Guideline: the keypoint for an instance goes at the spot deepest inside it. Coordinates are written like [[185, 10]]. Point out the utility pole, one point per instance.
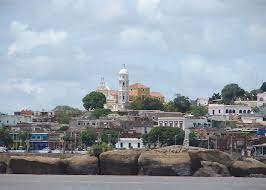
[[231, 145], [158, 140], [109, 139]]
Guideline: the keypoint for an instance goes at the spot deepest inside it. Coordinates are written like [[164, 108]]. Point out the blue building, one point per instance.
[[37, 141]]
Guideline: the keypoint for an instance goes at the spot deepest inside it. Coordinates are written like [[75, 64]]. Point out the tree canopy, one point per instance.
[[181, 103], [63, 114], [147, 103], [263, 87], [164, 135], [198, 110], [113, 136], [88, 136], [94, 100], [231, 92], [100, 112], [5, 138]]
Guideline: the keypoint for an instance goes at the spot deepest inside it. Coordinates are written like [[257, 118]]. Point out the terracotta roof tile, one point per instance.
[[156, 94], [138, 85]]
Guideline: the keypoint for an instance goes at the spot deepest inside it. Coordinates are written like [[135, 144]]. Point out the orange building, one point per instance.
[[140, 90]]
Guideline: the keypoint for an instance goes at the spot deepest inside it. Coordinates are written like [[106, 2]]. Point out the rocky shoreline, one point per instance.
[[167, 161]]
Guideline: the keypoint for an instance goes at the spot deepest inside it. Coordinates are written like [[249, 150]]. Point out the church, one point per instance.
[[118, 100]]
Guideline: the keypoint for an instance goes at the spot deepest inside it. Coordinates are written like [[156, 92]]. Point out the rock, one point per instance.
[[81, 165], [119, 162], [212, 169], [247, 167], [3, 167], [159, 163], [35, 165], [209, 155]]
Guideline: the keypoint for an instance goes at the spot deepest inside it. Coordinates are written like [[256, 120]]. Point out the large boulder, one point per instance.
[[81, 165], [209, 155], [35, 165], [168, 163], [212, 169], [3, 167], [247, 167], [119, 162]]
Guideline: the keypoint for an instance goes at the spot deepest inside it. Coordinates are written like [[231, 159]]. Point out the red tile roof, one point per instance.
[[156, 94], [138, 85], [114, 92]]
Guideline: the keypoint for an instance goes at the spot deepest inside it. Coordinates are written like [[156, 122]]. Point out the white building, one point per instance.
[[12, 120], [127, 143], [202, 101], [116, 100], [123, 91], [171, 122], [183, 122], [261, 99], [221, 109]]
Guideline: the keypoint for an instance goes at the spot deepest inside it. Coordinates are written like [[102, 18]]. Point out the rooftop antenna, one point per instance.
[[124, 65]]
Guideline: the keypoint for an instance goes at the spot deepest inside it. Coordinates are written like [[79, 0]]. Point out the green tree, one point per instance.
[[164, 135], [181, 103], [100, 112], [263, 87], [97, 149], [64, 128], [25, 136], [88, 136], [198, 110], [109, 135], [94, 100], [152, 104], [5, 138], [147, 103], [63, 114], [169, 106], [231, 92]]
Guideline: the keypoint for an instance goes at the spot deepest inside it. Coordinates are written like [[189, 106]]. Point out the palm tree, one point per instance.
[[25, 136]]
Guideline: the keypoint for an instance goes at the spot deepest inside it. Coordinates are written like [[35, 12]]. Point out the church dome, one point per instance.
[[123, 71]]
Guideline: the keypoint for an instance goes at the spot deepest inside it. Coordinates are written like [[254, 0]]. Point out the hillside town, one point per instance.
[[134, 117]]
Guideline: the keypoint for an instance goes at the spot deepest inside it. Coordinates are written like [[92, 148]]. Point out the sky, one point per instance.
[[54, 52]]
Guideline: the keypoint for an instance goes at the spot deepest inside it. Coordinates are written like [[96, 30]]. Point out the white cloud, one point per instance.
[[257, 36], [24, 86], [138, 37], [147, 7], [113, 9], [27, 39]]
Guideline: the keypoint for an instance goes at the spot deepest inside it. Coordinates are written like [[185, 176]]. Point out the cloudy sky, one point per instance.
[[53, 52]]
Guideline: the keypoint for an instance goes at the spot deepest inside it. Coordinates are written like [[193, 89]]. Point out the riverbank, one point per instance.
[[64, 182], [167, 161]]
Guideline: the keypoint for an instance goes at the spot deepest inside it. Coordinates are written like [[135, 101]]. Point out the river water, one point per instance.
[[67, 182]]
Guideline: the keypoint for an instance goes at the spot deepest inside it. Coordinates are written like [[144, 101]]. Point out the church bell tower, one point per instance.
[[123, 91]]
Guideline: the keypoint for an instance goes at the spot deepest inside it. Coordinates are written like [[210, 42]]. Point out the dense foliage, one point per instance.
[[109, 135], [63, 114], [94, 100], [147, 103], [231, 92], [100, 112], [198, 110], [88, 136], [164, 136], [5, 138]]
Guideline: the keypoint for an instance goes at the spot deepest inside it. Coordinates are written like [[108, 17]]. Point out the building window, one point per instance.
[[219, 111], [123, 84], [240, 111], [249, 111], [7, 121], [226, 111], [121, 145], [171, 123], [230, 111], [138, 145], [213, 111], [181, 124], [234, 111], [165, 123], [244, 111], [129, 145]]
